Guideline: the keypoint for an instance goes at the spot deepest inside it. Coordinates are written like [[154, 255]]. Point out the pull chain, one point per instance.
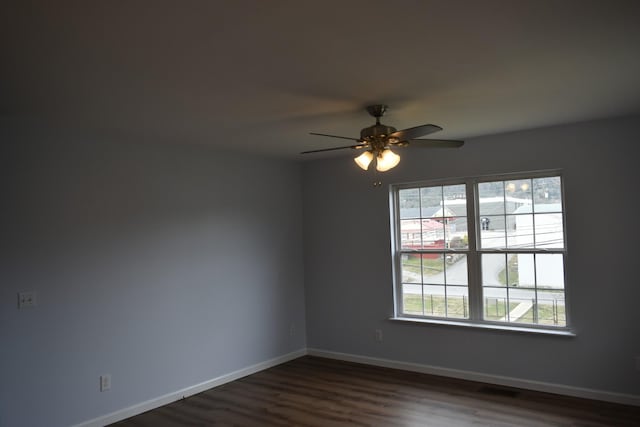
[[377, 182]]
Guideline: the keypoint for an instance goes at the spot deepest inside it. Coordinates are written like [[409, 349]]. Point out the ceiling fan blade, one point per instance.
[[355, 147], [432, 143], [415, 132], [334, 136]]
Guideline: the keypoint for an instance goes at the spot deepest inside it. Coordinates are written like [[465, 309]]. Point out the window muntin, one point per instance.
[[513, 271]]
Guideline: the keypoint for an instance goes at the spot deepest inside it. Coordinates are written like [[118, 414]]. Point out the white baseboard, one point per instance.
[[607, 396], [189, 391]]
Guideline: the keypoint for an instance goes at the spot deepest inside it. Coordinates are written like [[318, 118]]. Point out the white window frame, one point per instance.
[[473, 253]]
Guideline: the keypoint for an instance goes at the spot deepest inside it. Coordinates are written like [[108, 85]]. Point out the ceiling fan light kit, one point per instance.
[[378, 140], [387, 160], [364, 159]]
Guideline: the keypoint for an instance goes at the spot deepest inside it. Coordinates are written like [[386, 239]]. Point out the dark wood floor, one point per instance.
[[312, 391]]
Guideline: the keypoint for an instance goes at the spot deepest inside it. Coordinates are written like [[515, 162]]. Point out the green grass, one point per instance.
[[495, 310], [430, 265], [546, 315], [435, 305]]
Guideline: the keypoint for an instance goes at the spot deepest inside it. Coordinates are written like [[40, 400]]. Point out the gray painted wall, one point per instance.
[[348, 278], [164, 266]]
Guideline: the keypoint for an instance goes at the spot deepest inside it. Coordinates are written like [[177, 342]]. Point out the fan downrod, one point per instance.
[[377, 111]]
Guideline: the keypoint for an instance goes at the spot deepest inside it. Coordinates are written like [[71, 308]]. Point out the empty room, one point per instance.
[[278, 213]]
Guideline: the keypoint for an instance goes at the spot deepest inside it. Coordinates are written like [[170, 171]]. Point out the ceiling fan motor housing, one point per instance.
[[377, 135]]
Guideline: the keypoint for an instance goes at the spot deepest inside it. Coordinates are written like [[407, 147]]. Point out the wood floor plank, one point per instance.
[[313, 391]]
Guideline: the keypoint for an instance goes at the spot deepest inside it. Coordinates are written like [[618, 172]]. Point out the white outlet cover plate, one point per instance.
[[27, 299], [105, 382]]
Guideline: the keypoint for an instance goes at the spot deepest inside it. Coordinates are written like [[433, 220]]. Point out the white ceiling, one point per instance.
[[260, 75]]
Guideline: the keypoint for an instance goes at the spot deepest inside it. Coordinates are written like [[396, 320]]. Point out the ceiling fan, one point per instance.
[[377, 141]]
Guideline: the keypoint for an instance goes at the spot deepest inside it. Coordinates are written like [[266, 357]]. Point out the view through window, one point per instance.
[[487, 250]]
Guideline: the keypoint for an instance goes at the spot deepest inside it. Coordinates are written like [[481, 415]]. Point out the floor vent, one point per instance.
[[498, 391]]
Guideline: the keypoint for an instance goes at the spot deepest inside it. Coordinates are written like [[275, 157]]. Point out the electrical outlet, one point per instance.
[[379, 335], [27, 299], [292, 329], [105, 382]]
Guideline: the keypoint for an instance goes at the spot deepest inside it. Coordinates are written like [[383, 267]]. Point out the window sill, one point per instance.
[[507, 328]]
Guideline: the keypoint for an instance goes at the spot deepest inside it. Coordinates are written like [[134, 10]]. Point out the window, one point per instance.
[[487, 250]]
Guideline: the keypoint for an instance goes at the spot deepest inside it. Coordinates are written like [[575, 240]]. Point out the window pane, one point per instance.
[[455, 200], [434, 300], [432, 234], [412, 299], [493, 269], [514, 305], [454, 192], [458, 302], [551, 308], [410, 234], [495, 304], [492, 232], [549, 230], [517, 194], [521, 305], [550, 271], [491, 198], [456, 235], [509, 276], [411, 272], [409, 202], [456, 269], [433, 268], [520, 231], [431, 202], [547, 191], [521, 270]]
